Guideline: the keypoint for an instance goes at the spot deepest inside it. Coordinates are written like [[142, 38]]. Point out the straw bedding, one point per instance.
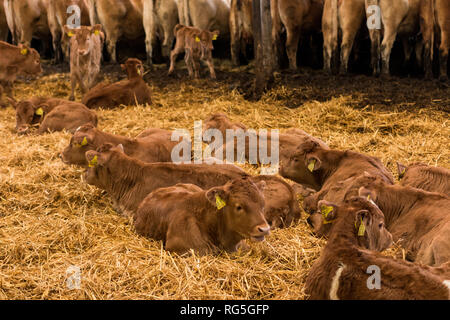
[[50, 219]]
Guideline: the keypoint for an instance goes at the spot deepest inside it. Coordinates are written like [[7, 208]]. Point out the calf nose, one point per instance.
[[22, 129], [82, 52], [264, 229]]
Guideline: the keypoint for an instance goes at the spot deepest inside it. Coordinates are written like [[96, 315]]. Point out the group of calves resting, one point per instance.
[[351, 199]]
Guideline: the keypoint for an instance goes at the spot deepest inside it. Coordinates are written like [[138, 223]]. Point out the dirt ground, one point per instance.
[[52, 221]]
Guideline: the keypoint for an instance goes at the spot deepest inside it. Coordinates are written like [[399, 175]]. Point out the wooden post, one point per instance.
[[264, 57]]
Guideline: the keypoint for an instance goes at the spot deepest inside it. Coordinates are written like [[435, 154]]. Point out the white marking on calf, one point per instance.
[[335, 282], [447, 283]]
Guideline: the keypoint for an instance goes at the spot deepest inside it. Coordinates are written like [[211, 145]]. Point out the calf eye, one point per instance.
[[239, 208], [380, 225]]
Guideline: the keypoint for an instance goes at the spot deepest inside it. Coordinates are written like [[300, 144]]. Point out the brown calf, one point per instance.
[[419, 218], [112, 167], [186, 217], [321, 168], [197, 45], [347, 261], [152, 147], [422, 176], [133, 91], [52, 114], [288, 141], [14, 61], [85, 56]]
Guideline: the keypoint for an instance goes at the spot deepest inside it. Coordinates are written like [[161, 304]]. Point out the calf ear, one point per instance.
[[68, 31], [313, 163], [215, 34], [12, 102], [124, 67], [362, 220], [120, 147], [367, 194], [217, 197], [328, 211], [96, 29], [401, 169]]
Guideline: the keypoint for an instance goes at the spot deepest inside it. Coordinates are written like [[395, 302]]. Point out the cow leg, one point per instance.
[[173, 58], [346, 48], [386, 48], [196, 64], [210, 64], [407, 51], [419, 53], [293, 36], [443, 58], [189, 62], [234, 35], [111, 44]]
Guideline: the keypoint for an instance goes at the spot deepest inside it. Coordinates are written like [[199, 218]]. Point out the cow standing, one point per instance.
[[404, 19], [300, 17], [120, 19], [58, 17], [14, 61], [241, 28], [159, 19], [205, 14], [4, 30], [197, 45], [85, 56], [28, 19]]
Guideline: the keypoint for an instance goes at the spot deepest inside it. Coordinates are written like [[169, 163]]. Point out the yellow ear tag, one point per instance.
[[84, 142], [325, 210], [96, 32], [24, 51], [197, 39], [368, 197], [219, 202], [139, 71], [311, 165], [70, 34], [39, 112], [93, 162], [215, 37], [362, 229]]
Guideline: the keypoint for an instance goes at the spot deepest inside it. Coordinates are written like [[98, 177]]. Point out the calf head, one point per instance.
[[82, 141], [357, 217], [302, 166], [32, 61], [134, 68], [28, 114], [221, 122], [82, 38], [402, 169], [367, 186], [205, 40], [101, 163], [241, 204]]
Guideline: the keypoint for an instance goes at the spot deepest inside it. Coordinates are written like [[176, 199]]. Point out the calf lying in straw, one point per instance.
[[422, 176], [349, 269], [52, 114], [152, 145], [187, 217], [197, 45], [132, 91], [128, 181]]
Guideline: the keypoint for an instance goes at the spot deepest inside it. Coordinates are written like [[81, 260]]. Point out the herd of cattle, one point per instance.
[[351, 198], [343, 24]]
